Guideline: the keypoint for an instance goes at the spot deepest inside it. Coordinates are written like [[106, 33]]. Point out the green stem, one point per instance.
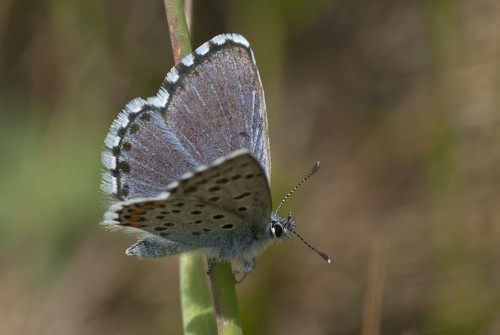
[[178, 28], [225, 299], [197, 311]]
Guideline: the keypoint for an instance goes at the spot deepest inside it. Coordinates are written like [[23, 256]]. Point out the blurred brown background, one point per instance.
[[398, 99]]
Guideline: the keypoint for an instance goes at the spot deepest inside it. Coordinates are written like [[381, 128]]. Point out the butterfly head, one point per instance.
[[280, 228]]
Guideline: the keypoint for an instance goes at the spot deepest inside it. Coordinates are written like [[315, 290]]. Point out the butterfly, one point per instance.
[[190, 168]]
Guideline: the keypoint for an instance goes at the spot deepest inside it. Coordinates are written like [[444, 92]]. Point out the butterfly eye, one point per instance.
[[276, 229]]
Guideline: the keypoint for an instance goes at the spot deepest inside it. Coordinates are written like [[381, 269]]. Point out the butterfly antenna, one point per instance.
[[320, 253], [314, 169]]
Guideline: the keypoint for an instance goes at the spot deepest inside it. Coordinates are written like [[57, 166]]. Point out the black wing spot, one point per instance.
[[159, 228], [242, 196], [214, 189], [201, 182], [222, 181], [228, 226], [146, 117], [127, 145], [124, 167], [196, 233], [218, 217], [196, 212], [134, 128]]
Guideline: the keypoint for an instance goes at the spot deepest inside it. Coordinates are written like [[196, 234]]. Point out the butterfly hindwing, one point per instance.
[[206, 208]]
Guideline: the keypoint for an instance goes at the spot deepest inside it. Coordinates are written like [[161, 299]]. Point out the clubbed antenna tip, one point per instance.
[[320, 253]]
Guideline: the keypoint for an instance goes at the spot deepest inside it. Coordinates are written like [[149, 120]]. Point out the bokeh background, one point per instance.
[[398, 99]]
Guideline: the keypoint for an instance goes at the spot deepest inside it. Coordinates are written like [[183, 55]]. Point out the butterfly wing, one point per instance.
[[209, 105], [222, 207]]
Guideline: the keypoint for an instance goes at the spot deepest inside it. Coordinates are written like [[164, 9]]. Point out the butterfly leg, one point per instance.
[[211, 263], [151, 247], [245, 267]]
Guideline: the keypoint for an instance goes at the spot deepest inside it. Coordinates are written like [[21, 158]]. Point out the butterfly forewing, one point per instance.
[[202, 209], [225, 86], [210, 105]]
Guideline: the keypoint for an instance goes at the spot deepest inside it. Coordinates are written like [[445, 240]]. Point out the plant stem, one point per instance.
[[178, 28], [225, 299], [196, 312]]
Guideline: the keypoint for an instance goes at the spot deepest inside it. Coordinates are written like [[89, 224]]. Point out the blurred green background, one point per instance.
[[398, 99]]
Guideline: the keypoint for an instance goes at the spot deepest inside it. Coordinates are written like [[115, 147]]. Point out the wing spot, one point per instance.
[[196, 233], [179, 204], [242, 196], [218, 217], [196, 212], [176, 211], [222, 181], [249, 176], [134, 128], [146, 117], [214, 199], [206, 229], [169, 224], [201, 182], [164, 212], [214, 189], [199, 205], [228, 226], [242, 209], [124, 167], [159, 228], [164, 234], [236, 177], [243, 165], [127, 145], [160, 217]]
